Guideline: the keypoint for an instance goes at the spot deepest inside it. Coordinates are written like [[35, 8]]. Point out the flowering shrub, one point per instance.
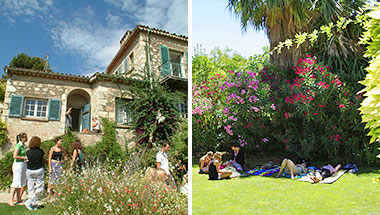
[[101, 191], [307, 111], [318, 114]]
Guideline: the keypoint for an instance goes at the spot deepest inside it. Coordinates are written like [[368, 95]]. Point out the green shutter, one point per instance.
[[54, 109], [15, 107], [165, 60], [117, 111], [86, 118], [126, 66]]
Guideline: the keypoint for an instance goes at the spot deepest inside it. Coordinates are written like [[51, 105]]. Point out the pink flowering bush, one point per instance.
[[306, 111], [317, 115], [227, 108]]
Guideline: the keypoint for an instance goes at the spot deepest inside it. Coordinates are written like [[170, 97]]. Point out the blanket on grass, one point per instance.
[[264, 172], [329, 180], [276, 169]]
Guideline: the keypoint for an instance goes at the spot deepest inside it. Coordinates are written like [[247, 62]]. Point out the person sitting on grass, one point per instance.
[[204, 162], [237, 159], [293, 169], [324, 172], [214, 171]]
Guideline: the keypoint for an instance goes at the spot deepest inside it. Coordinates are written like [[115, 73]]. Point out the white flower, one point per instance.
[[100, 190]]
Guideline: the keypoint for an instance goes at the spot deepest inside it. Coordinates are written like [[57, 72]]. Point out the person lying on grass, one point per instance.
[[324, 172], [204, 162], [292, 169], [214, 171]]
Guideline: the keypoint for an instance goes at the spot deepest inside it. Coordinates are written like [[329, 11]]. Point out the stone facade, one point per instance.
[[30, 84], [136, 43]]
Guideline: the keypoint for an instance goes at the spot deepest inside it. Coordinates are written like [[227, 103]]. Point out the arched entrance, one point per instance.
[[79, 102]]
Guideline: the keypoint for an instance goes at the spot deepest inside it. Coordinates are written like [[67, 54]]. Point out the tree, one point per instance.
[[25, 61], [282, 19], [153, 107]]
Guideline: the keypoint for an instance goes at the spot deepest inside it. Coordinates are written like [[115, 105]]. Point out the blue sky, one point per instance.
[[213, 25], [80, 37]]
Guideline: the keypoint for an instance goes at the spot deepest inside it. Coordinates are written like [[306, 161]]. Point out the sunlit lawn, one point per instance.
[[5, 209], [351, 194]]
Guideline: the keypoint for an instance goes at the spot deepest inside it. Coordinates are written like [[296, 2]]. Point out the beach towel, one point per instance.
[[264, 172], [329, 180]]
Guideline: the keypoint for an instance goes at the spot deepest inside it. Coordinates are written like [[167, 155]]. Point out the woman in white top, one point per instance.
[[95, 125], [19, 169]]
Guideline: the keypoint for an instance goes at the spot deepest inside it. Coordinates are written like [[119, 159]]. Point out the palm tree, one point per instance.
[[282, 19]]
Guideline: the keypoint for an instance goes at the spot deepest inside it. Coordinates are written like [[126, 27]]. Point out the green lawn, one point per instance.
[[351, 194], [21, 210]]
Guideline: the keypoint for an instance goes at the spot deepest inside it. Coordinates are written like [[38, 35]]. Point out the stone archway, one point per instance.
[[80, 102]]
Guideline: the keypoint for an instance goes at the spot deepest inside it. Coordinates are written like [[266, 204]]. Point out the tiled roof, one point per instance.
[[153, 30], [62, 76]]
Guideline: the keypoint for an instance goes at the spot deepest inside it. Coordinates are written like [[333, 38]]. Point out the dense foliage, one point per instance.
[[306, 111], [370, 105], [3, 133], [147, 98], [25, 61], [282, 19]]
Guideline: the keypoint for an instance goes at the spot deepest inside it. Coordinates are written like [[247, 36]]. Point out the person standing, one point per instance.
[[77, 161], [55, 163], [68, 121], [35, 173], [163, 163], [19, 169]]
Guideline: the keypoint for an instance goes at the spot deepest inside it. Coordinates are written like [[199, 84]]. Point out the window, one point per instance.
[[35, 108], [182, 109], [171, 62], [38, 108], [123, 112], [119, 70], [131, 60]]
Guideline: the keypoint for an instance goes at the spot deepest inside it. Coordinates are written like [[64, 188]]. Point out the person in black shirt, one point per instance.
[[237, 159], [34, 173]]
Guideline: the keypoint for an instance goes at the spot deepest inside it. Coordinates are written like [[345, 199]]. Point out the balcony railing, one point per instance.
[[173, 69]]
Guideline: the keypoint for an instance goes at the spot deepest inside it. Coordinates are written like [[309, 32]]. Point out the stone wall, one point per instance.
[[172, 44]]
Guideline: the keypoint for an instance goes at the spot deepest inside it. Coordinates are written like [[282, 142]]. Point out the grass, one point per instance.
[[351, 194], [21, 210]]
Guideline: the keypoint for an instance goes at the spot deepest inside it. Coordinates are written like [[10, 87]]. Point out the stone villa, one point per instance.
[[36, 101]]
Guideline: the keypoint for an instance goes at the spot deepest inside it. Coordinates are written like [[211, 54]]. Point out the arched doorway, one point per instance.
[[79, 102]]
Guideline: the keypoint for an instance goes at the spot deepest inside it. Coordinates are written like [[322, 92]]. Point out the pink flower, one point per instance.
[[265, 140], [306, 113], [321, 83], [287, 115], [342, 106], [273, 107]]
